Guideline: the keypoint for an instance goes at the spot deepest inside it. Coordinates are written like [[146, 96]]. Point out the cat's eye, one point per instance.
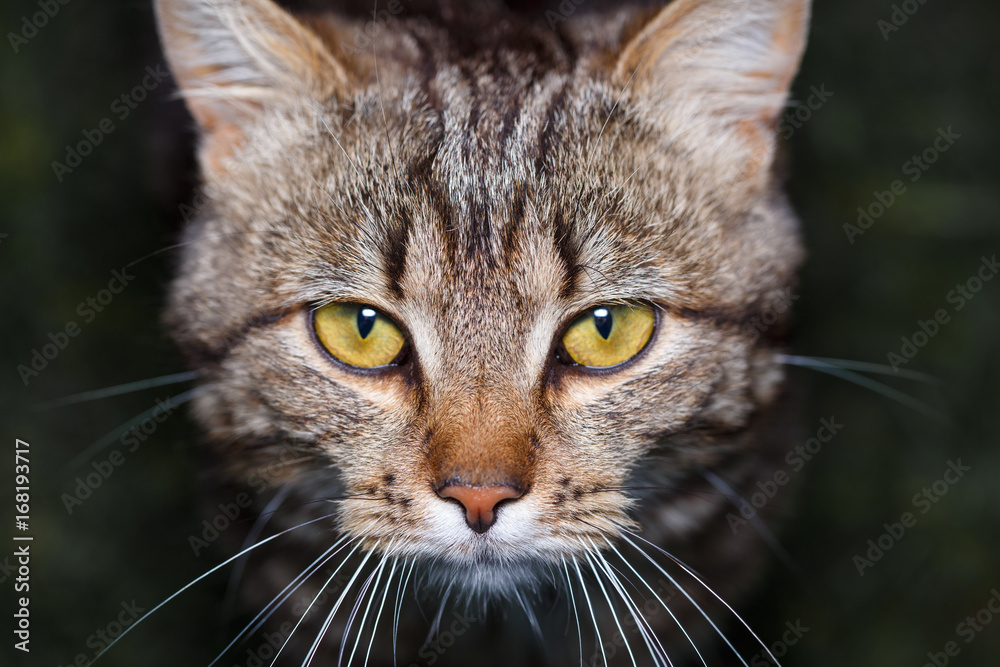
[[358, 335], [607, 336]]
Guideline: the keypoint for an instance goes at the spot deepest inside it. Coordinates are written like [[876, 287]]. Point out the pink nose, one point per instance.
[[480, 502]]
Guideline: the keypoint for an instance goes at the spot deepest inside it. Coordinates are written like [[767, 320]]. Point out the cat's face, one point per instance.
[[482, 185]]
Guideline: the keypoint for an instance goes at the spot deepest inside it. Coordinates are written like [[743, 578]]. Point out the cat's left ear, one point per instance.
[[232, 58], [715, 74]]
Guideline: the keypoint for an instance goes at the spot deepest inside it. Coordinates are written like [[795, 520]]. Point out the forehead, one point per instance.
[[478, 179]]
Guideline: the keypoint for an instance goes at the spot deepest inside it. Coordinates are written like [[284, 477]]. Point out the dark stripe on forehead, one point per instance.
[[512, 231], [470, 131], [428, 70], [550, 128], [397, 244], [440, 202], [499, 95], [562, 236], [509, 123], [480, 227], [549, 132]]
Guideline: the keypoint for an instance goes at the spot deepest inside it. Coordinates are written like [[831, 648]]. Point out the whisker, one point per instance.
[[642, 624], [612, 112], [339, 545], [660, 600], [181, 244], [258, 527], [757, 523], [863, 366], [652, 154], [399, 607], [597, 631], [114, 435], [877, 387], [665, 487], [611, 608], [691, 600], [368, 585], [199, 578], [536, 629], [245, 232], [576, 613], [258, 621], [381, 607], [322, 118], [117, 390], [329, 619], [312, 603], [436, 623], [307, 503]]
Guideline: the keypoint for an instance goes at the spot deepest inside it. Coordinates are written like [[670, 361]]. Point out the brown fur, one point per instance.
[[483, 179]]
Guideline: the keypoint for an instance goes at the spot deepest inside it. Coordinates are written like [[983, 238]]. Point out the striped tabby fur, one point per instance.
[[483, 173]]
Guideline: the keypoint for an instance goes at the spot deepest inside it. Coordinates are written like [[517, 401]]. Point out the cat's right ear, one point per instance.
[[716, 74], [230, 58]]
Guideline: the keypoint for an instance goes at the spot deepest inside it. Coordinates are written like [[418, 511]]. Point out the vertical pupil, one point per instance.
[[366, 320], [603, 321]]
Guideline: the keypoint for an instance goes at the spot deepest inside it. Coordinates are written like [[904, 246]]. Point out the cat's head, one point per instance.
[[474, 276]]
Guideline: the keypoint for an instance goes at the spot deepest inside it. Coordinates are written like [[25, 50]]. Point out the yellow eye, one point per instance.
[[606, 336], [358, 335]]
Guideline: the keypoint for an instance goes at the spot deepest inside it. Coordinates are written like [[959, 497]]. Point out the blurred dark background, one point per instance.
[[62, 235]]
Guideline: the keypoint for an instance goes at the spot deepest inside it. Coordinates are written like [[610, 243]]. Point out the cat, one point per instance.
[[471, 296]]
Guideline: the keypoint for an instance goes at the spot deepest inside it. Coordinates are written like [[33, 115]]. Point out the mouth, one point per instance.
[[519, 535]]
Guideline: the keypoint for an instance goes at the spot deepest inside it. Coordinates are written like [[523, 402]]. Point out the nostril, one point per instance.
[[480, 502]]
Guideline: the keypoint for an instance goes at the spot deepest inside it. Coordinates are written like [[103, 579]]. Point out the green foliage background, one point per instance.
[[890, 96]]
